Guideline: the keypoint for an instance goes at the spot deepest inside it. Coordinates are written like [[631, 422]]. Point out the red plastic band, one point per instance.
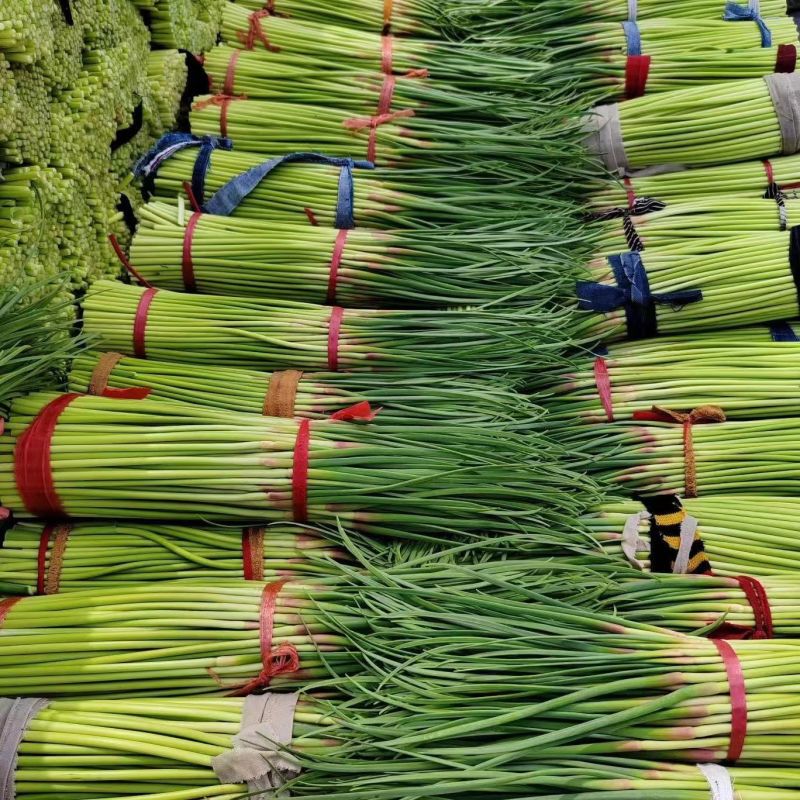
[[256, 33], [334, 330], [140, 322], [763, 627], [603, 381], [230, 73], [770, 172], [311, 216], [359, 412], [48, 576], [33, 469], [6, 606], [786, 58], [300, 471], [631, 194], [187, 187], [336, 262], [187, 265], [637, 71], [275, 660], [387, 56], [125, 261], [253, 554], [738, 692], [41, 560]]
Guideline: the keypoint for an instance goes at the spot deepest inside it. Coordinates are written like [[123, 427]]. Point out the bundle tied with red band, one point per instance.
[[212, 254], [166, 460], [280, 334]]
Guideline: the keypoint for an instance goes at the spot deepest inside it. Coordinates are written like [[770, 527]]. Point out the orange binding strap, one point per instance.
[[700, 415], [6, 606], [48, 577], [281, 393], [255, 32], [253, 554]]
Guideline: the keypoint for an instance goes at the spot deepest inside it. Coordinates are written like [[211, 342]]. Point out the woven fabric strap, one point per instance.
[[604, 137], [784, 89], [101, 373], [50, 560], [281, 395], [259, 756], [698, 416], [15, 717], [734, 12], [275, 660], [253, 554], [738, 693], [720, 781]]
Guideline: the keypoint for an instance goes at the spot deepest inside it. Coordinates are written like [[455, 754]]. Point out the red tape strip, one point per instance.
[[769, 170], [387, 56], [187, 264], [629, 191], [140, 322], [786, 58], [738, 692], [302, 446], [334, 332], [603, 381], [275, 660], [637, 71], [33, 468], [336, 262]]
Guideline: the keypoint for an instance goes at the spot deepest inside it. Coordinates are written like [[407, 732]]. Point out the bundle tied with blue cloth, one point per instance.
[[704, 125], [700, 286]]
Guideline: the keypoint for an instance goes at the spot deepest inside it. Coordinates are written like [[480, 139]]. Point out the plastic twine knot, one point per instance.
[[359, 123]]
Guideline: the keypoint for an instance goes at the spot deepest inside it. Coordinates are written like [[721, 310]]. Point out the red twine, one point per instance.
[[256, 33], [33, 468], [334, 332], [223, 101], [275, 660], [187, 187], [373, 123], [763, 627], [312, 218], [738, 693], [125, 261], [6, 606], [187, 264], [228, 86], [637, 71], [770, 172], [48, 573], [140, 322], [786, 58], [603, 381], [253, 554], [336, 262]]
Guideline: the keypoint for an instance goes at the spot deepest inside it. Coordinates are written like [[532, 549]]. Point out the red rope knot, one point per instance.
[[275, 659], [256, 33], [699, 416], [373, 123], [223, 101]]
